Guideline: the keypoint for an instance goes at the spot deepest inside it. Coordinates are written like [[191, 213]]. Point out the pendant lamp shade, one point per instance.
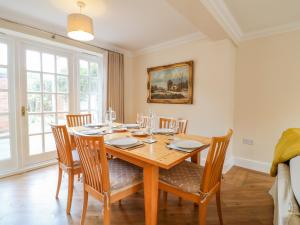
[[80, 27]]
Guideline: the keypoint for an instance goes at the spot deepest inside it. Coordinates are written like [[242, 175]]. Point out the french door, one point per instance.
[[45, 99], [7, 110]]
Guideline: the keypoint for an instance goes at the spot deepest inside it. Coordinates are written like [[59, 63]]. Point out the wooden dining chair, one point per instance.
[[182, 126], [106, 180], [68, 160], [167, 122], [195, 183], [145, 121], [171, 123], [76, 120]]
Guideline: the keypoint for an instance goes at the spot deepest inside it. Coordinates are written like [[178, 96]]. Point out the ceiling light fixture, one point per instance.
[[80, 27]]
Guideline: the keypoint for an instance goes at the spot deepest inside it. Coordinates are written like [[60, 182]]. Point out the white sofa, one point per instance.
[[286, 193]]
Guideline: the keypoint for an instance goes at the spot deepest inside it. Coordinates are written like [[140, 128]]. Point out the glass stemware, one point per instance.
[[140, 120], [151, 126]]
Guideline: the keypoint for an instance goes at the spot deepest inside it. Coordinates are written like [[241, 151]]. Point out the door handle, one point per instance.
[[23, 110]]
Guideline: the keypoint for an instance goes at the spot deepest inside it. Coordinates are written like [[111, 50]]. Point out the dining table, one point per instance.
[[151, 158]]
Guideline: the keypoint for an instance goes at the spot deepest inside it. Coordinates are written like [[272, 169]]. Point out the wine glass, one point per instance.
[[151, 126], [140, 119], [113, 116]]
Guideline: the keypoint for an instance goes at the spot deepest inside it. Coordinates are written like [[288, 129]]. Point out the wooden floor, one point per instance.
[[28, 199]]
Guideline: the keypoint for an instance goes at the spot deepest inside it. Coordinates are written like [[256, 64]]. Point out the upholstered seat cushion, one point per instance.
[[186, 176], [123, 174]]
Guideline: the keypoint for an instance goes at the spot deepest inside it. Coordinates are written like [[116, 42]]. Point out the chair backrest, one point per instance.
[[214, 162], [94, 164], [77, 120], [145, 121], [63, 146], [167, 122], [182, 125]]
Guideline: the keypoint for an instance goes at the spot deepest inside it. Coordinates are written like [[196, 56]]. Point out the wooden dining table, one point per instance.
[[152, 157]]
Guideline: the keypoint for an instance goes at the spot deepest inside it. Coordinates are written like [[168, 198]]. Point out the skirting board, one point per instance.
[[252, 164], [244, 163], [29, 168]]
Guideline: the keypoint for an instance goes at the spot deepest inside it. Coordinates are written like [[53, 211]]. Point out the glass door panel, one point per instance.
[[7, 156], [47, 100]]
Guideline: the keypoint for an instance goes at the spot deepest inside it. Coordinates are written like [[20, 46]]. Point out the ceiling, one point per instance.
[[141, 24], [128, 24], [258, 15]]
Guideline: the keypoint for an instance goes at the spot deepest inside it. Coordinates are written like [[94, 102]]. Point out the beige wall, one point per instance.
[[214, 69], [267, 93]]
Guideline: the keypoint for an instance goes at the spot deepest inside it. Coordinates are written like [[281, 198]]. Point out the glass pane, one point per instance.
[[35, 144], [4, 126], [33, 82], [34, 102], [49, 83], [95, 116], [3, 78], [93, 69], [84, 102], [62, 84], [61, 118], [62, 103], [33, 60], [61, 65], [49, 143], [35, 124], [4, 149], [48, 63], [3, 54], [3, 102], [94, 85], [94, 102], [84, 67], [84, 85], [49, 103], [48, 118]]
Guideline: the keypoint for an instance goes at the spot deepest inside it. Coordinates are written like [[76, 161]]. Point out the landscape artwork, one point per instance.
[[171, 84]]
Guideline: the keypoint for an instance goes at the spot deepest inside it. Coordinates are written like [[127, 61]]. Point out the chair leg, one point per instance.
[[78, 177], [106, 212], [202, 214], [165, 199], [180, 201], [70, 191], [218, 200], [84, 207], [58, 181]]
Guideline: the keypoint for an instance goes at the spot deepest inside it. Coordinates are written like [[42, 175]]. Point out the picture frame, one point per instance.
[[171, 84]]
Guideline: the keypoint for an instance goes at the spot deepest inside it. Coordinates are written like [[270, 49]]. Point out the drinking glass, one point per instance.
[[140, 120], [151, 125]]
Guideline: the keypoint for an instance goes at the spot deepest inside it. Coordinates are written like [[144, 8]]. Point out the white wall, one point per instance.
[[267, 95], [214, 69]]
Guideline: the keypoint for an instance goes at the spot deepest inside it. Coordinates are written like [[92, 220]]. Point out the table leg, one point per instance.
[[151, 194], [196, 158]]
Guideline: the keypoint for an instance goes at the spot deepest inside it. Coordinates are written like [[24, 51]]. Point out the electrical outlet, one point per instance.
[[247, 141]]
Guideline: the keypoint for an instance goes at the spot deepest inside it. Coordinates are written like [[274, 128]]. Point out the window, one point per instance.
[[90, 87], [47, 97], [5, 152]]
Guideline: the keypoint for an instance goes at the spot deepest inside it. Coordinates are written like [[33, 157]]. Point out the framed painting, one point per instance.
[[171, 84]]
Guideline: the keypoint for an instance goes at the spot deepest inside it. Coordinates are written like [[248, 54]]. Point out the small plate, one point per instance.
[[139, 133], [164, 131], [123, 141], [90, 132], [119, 129], [131, 125], [94, 125], [188, 144]]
